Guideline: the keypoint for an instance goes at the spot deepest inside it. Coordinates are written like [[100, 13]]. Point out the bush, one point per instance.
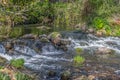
[[100, 23], [78, 60], [18, 63]]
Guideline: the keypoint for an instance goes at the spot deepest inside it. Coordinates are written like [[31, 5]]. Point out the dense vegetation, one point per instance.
[[102, 15]]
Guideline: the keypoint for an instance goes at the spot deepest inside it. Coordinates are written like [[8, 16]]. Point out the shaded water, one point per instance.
[[49, 58]]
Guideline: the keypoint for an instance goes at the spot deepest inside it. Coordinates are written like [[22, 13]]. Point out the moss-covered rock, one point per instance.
[[55, 37]]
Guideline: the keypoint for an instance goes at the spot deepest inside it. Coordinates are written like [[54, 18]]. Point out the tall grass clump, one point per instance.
[[4, 76]]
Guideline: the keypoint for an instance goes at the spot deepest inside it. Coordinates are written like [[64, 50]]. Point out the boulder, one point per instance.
[[65, 42], [43, 38], [101, 32], [9, 46], [29, 36], [55, 37], [104, 50], [65, 75]]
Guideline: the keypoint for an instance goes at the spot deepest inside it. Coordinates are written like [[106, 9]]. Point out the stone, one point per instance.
[[9, 46], [91, 77], [29, 36], [51, 73], [55, 37], [44, 39], [81, 78], [2, 60], [101, 32], [104, 50], [91, 30], [65, 75], [65, 41]]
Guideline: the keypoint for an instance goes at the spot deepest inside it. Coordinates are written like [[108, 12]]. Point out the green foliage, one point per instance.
[[16, 32], [1, 67], [78, 60], [100, 23], [21, 76], [4, 30], [40, 12], [18, 63], [67, 15], [4, 76], [78, 50]]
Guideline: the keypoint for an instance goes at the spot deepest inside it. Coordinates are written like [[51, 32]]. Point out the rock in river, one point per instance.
[[29, 36], [55, 37], [104, 50]]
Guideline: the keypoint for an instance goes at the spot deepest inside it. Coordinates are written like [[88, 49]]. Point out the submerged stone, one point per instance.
[[65, 75], [51, 73], [104, 50]]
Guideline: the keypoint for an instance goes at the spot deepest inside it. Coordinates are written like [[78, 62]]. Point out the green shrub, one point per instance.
[[100, 23], [18, 63], [4, 76], [21, 76], [78, 60]]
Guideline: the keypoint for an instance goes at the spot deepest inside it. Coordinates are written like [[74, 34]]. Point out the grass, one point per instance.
[[21, 76], [17, 63], [4, 76], [16, 32]]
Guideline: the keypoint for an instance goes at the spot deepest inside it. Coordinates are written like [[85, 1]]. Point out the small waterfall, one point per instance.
[[92, 41]]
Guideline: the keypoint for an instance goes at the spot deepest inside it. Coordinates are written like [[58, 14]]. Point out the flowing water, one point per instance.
[[49, 58]]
